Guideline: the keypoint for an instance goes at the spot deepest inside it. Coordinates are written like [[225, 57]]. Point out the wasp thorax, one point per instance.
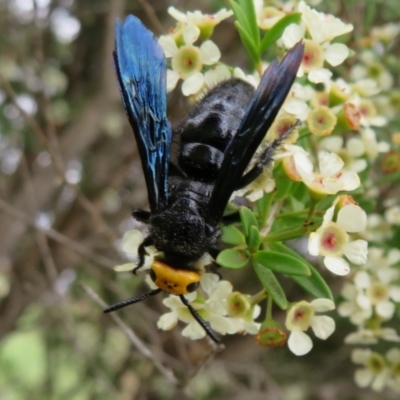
[[180, 233], [174, 281]]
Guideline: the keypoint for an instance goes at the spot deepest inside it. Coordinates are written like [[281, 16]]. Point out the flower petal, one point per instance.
[[329, 163], [194, 331], [224, 325], [322, 326], [350, 180], [210, 53], [313, 244], [394, 293], [292, 35], [336, 53], [190, 33], [385, 309], [337, 265], [357, 251], [215, 75], [299, 343], [168, 45], [131, 241], [363, 377], [319, 75], [167, 321], [360, 356], [352, 218], [124, 267], [322, 305], [172, 79], [193, 84]]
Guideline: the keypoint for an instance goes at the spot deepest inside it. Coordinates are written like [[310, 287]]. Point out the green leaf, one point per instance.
[[232, 235], [253, 240], [248, 219], [315, 284], [282, 263], [277, 30], [271, 284], [248, 44], [249, 13], [233, 258]]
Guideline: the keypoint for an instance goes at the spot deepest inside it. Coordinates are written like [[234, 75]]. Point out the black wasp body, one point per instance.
[[181, 230], [191, 174]]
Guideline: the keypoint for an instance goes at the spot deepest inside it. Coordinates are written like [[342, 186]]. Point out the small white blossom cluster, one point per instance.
[[218, 308], [198, 66], [331, 154], [370, 300]]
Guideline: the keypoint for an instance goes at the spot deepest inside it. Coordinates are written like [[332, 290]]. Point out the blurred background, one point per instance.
[[69, 177]]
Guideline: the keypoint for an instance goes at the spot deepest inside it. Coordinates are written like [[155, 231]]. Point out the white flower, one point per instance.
[[322, 28], [378, 229], [199, 19], [355, 307], [372, 68], [393, 358], [330, 179], [377, 286], [369, 336], [130, 243], [350, 153], [332, 241], [187, 61], [301, 316], [213, 310], [375, 373], [392, 215]]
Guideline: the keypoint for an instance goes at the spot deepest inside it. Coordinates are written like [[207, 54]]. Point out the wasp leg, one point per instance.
[[142, 252], [133, 300], [264, 160], [141, 216], [200, 320]]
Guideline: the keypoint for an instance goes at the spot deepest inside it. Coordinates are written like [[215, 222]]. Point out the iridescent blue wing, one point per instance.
[[141, 71], [260, 114]]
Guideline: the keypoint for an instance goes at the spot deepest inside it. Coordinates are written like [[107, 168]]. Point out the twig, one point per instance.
[[57, 236], [140, 346]]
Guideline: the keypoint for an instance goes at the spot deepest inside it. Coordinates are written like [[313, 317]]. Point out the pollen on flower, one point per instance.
[[313, 56], [378, 292], [187, 61], [321, 121]]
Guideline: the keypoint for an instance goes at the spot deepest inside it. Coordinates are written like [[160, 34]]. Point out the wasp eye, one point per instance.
[[192, 287], [153, 275]]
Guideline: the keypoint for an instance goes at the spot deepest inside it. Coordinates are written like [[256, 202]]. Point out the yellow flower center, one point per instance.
[[187, 61]]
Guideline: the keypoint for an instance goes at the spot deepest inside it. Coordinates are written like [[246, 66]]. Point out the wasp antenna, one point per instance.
[[133, 300], [200, 320]]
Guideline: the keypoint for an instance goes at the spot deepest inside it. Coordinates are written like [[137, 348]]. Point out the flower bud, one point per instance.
[[391, 162], [271, 334], [299, 316], [238, 304], [280, 126], [289, 167], [349, 117], [321, 121], [320, 99], [337, 95], [345, 200]]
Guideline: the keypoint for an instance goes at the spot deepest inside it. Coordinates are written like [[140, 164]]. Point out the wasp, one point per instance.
[[192, 172]]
